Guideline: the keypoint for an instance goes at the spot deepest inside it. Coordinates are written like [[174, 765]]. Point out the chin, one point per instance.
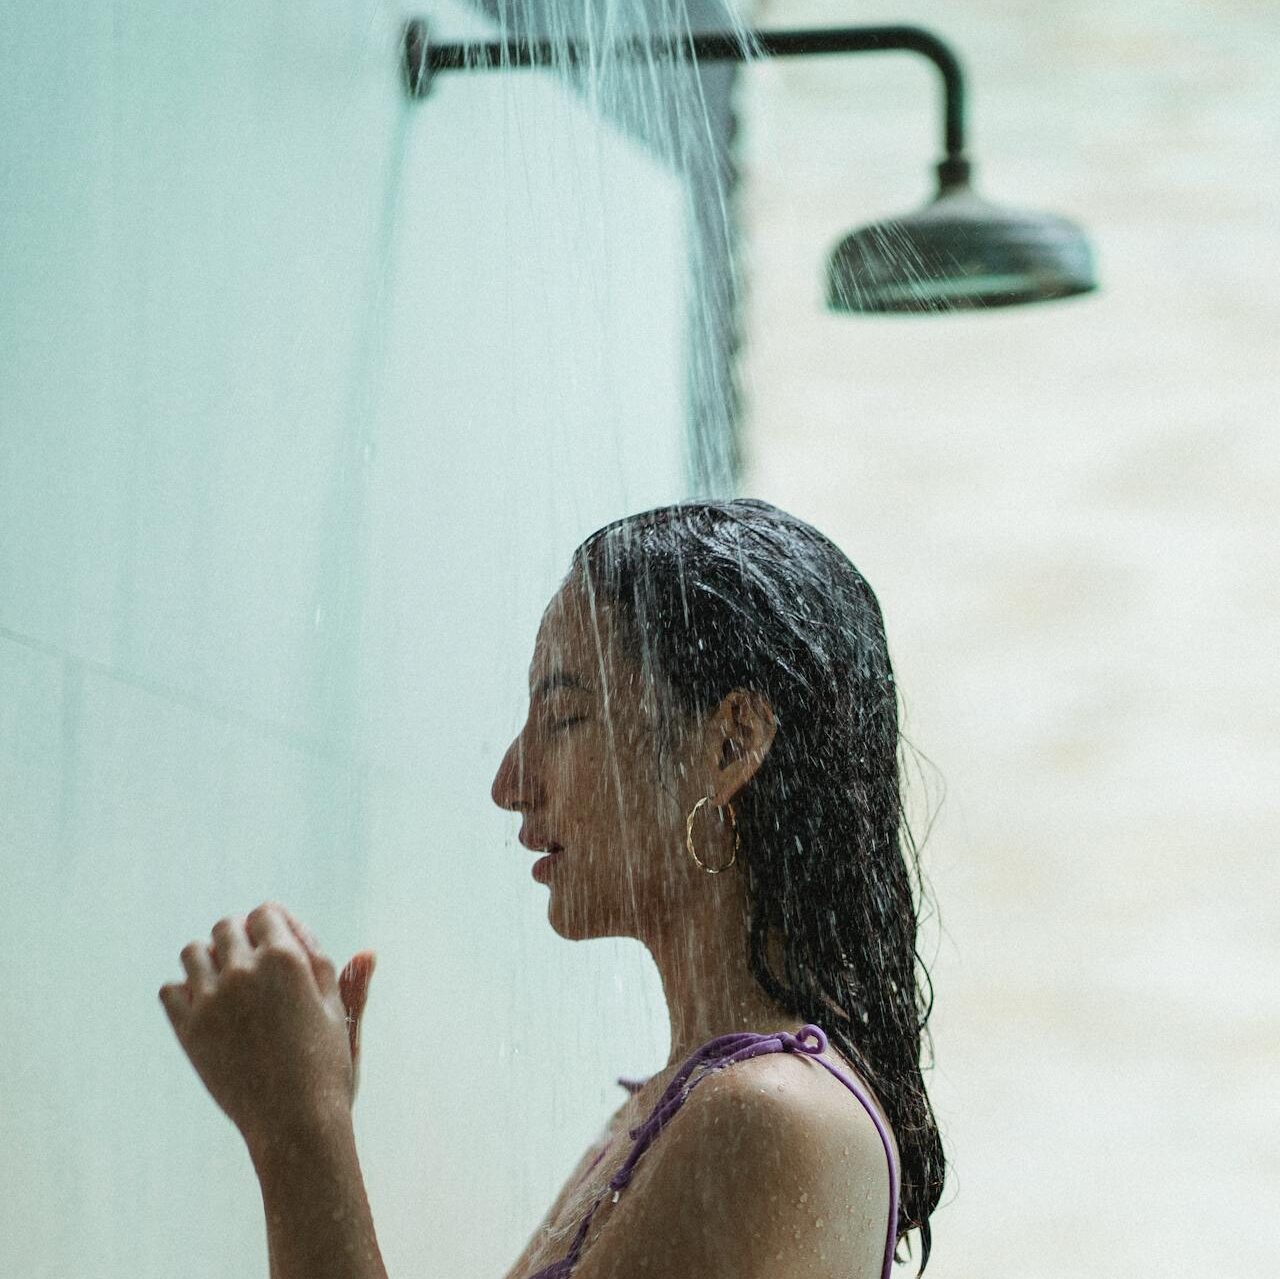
[[584, 921]]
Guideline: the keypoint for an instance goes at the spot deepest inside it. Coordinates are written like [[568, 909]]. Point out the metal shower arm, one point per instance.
[[423, 59]]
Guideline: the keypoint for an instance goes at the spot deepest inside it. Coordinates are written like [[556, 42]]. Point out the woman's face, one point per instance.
[[584, 774]]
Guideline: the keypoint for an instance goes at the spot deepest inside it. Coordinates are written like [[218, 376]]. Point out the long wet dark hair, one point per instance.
[[711, 596]]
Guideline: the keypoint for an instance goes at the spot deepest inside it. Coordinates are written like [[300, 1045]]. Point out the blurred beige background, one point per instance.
[[1068, 514]]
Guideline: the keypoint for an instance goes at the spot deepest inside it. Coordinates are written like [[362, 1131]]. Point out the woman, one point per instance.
[[711, 756]]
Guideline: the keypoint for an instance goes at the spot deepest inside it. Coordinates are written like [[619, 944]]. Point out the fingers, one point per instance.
[[320, 964], [233, 941], [198, 962], [230, 943], [272, 925], [267, 929], [304, 934], [176, 998]]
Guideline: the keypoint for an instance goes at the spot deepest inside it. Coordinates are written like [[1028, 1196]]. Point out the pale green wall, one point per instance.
[[307, 394]]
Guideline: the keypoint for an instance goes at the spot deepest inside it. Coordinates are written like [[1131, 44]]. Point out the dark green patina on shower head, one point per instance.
[[959, 252]]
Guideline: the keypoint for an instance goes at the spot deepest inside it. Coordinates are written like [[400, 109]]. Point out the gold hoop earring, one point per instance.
[[688, 837]]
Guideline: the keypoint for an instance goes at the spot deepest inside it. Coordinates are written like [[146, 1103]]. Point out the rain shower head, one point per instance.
[[958, 253]]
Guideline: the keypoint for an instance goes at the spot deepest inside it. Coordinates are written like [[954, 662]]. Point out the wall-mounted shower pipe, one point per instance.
[[423, 59], [960, 252]]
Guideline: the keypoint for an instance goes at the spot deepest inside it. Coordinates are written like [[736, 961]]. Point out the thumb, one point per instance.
[[353, 986]]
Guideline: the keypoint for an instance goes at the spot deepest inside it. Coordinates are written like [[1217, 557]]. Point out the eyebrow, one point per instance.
[[559, 679]]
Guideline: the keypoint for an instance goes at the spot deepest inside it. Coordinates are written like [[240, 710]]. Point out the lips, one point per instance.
[[541, 845]]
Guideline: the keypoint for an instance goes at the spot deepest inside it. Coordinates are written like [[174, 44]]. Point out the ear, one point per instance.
[[743, 729]]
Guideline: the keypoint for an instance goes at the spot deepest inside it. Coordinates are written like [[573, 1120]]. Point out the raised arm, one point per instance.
[[273, 1033], [319, 1225]]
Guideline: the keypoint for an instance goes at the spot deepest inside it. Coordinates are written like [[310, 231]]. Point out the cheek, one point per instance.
[[599, 761], [578, 770]]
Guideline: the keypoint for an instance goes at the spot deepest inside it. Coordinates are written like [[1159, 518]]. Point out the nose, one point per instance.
[[511, 780]]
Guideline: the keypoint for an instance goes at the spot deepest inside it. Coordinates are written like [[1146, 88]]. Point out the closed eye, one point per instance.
[[564, 723]]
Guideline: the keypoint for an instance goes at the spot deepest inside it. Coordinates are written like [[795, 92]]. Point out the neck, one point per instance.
[[708, 983]]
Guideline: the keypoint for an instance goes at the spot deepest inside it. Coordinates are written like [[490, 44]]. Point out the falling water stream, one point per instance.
[[309, 391]]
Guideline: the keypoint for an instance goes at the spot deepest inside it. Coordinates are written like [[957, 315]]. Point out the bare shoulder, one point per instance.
[[756, 1175], [817, 1132]]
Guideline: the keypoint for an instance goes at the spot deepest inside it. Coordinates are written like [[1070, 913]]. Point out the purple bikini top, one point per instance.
[[724, 1050]]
